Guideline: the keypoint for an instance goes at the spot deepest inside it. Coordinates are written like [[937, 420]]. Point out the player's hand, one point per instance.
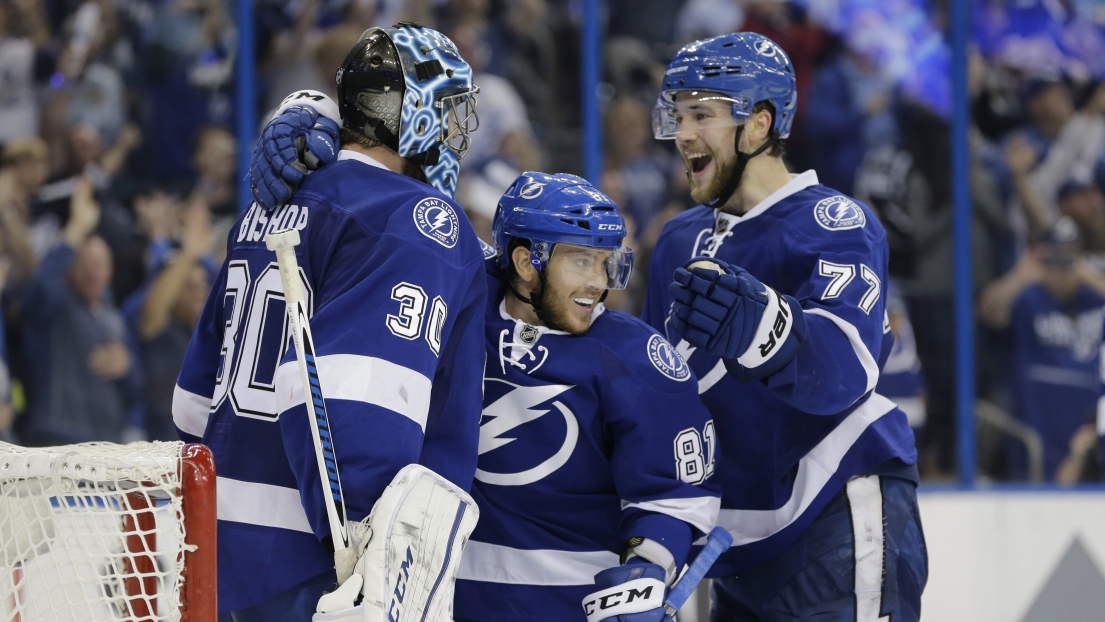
[[345, 603], [631, 593], [729, 313], [301, 137]]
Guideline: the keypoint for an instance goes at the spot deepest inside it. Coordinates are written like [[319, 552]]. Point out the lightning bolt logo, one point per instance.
[[440, 219], [841, 211], [517, 407]]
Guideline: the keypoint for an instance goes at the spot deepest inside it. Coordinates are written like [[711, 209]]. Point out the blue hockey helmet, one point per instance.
[[409, 88], [745, 67], [561, 209]]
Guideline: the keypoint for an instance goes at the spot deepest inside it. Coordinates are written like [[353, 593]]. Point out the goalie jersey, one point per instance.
[[585, 442], [793, 440], [393, 276]]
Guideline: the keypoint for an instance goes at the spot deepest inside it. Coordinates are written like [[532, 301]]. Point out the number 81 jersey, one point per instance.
[[393, 277], [585, 442]]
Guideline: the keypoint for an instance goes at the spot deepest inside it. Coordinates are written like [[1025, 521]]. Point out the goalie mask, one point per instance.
[[561, 209], [408, 87]]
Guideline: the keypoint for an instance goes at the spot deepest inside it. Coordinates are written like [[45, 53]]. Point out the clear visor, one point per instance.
[[458, 120], [580, 266], [693, 111]]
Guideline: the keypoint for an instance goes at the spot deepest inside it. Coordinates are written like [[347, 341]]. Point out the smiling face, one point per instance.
[[575, 279], [706, 131]]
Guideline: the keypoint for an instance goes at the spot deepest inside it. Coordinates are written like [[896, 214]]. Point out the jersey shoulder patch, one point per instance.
[[839, 213], [666, 359], [436, 219]]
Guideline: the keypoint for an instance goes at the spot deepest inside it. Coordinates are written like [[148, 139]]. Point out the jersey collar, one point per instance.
[[797, 183], [349, 154]]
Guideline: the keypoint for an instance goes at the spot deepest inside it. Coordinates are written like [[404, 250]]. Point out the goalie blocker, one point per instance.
[[409, 552]]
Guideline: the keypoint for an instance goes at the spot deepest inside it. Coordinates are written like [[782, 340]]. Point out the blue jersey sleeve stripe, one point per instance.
[[494, 563], [190, 411], [260, 504], [364, 379], [708, 381], [698, 512], [870, 366], [814, 471]]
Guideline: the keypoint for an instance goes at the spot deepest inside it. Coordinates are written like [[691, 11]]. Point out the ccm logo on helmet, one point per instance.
[[610, 227]]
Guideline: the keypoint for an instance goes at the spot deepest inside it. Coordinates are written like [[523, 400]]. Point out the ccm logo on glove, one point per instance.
[[394, 609]]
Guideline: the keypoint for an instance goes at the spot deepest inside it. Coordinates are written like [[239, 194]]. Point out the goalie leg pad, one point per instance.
[[418, 527]]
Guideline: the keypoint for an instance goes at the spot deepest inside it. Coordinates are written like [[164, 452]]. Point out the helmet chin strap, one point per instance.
[[536, 299], [734, 180]]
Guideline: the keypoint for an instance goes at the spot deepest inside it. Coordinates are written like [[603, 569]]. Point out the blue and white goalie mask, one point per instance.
[[564, 214], [408, 87]]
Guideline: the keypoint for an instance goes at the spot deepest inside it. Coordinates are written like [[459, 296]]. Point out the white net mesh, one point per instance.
[[91, 532]]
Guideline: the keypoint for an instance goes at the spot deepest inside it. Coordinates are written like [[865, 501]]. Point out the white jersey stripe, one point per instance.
[[814, 471], [190, 411], [260, 504], [701, 512], [362, 379], [862, 353], [495, 563], [869, 536]]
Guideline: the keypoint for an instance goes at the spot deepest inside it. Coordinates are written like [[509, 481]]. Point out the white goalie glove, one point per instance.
[[409, 552]]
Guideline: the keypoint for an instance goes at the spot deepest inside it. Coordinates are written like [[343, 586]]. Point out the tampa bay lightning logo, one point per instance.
[[766, 48], [839, 213], [666, 360], [531, 190], [518, 432], [437, 220]]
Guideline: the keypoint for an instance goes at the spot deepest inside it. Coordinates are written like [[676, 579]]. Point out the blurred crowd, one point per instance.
[[118, 183]]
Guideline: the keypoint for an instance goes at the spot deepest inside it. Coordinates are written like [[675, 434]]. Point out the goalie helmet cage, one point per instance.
[[100, 531]]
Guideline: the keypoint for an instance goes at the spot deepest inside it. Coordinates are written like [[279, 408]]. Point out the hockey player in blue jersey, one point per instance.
[[394, 280], [784, 324], [595, 451]]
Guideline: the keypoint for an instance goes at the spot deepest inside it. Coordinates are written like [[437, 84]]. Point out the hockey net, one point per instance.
[[99, 531]]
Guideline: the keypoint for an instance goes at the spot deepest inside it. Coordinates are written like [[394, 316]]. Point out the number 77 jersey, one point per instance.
[[393, 278], [789, 443]]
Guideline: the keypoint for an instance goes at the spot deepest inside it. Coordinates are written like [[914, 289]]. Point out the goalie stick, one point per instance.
[[284, 243], [716, 544]]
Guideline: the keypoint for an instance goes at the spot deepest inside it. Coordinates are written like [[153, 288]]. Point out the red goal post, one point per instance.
[[100, 531]]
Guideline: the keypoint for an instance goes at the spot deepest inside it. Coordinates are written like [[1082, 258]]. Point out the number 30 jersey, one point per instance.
[[790, 442], [585, 442], [393, 275]]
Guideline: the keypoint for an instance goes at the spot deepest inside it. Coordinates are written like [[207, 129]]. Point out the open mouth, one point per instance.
[[586, 303], [698, 162]]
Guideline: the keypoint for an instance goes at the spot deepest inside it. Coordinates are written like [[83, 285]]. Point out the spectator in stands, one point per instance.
[[215, 164], [170, 309], [645, 170], [24, 167], [1083, 203], [78, 366], [24, 35], [1051, 306]]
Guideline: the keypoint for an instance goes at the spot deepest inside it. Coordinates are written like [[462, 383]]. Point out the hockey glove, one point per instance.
[[631, 593], [729, 313], [302, 136]]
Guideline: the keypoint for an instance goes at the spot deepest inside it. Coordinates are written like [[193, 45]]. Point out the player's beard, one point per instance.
[[558, 312], [723, 170]]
